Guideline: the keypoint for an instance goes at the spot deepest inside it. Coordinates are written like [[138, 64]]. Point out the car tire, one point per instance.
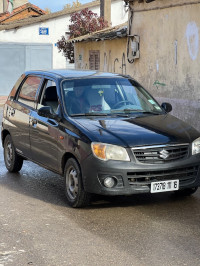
[[76, 195], [186, 192], [12, 160]]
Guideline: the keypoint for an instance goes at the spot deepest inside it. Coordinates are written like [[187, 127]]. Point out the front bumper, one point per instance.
[[134, 177]]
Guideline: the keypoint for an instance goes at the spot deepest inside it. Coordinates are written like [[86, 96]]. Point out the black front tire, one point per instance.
[[186, 191], [76, 195], [12, 160]]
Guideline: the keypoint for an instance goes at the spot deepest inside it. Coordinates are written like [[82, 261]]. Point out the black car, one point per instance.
[[103, 132]]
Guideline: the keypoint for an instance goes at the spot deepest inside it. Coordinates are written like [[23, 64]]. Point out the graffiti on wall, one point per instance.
[[123, 64], [105, 64], [116, 65], [158, 83], [115, 61], [192, 36]]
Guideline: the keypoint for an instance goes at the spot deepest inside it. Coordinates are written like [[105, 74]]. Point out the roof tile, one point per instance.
[[5, 15]]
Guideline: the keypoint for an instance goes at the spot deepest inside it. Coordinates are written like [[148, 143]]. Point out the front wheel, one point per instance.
[[76, 195], [12, 160], [186, 191]]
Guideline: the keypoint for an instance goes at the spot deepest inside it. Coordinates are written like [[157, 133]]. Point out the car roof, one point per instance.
[[65, 73]]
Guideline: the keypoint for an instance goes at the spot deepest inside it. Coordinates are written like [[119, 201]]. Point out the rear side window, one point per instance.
[[27, 94], [16, 86]]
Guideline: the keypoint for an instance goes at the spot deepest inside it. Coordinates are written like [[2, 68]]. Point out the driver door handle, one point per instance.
[[34, 121]]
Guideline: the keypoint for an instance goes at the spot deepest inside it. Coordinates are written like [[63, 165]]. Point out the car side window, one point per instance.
[[49, 96], [27, 93]]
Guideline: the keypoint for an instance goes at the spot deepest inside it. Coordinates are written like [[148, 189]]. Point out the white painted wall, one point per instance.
[[119, 13], [57, 27]]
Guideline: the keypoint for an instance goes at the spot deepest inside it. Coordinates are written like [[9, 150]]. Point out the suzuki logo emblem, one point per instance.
[[164, 154]]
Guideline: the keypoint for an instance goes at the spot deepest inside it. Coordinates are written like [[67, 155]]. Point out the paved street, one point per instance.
[[38, 228]]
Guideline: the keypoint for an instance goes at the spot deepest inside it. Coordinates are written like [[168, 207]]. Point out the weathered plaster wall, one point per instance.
[[112, 55], [169, 64], [16, 3]]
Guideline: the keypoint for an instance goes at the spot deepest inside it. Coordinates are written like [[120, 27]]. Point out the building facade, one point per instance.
[[161, 51], [104, 50], [169, 53], [56, 25]]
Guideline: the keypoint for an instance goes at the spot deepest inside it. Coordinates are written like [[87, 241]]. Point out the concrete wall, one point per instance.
[[17, 3], [112, 55], [1, 6], [169, 63], [169, 54]]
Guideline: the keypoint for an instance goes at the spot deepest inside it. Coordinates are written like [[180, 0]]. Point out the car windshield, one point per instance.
[[106, 96]]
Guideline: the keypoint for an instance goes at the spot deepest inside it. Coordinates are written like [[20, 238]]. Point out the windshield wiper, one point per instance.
[[151, 112], [129, 111], [126, 111], [89, 114]]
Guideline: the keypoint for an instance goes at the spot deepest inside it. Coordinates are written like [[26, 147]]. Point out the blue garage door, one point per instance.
[[16, 58]]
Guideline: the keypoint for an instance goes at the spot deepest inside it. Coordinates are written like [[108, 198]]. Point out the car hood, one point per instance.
[[137, 131]]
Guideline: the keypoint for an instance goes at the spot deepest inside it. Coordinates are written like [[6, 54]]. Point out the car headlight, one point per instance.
[[196, 146], [109, 152]]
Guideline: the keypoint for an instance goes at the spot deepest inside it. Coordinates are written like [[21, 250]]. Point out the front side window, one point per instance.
[[49, 95], [27, 94], [107, 96]]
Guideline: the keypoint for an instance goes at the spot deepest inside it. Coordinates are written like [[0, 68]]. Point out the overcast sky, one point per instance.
[[55, 5]]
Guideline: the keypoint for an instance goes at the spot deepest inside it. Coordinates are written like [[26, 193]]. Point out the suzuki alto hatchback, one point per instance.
[[103, 132]]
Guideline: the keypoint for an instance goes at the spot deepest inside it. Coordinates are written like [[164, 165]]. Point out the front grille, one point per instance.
[[161, 154], [185, 175]]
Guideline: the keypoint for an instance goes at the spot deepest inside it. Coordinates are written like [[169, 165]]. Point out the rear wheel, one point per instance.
[[76, 195], [186, 192], [12, 160]]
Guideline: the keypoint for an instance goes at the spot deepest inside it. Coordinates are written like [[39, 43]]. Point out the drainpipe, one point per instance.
[[105, 10], [5, 5]]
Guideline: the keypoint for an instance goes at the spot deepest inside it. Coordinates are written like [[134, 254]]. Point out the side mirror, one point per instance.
[[167, 107], [47, 111]]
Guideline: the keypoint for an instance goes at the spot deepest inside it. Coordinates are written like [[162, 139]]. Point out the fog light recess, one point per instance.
[[109, 182]]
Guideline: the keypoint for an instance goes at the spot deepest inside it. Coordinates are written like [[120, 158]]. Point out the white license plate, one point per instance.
[[163, 186]]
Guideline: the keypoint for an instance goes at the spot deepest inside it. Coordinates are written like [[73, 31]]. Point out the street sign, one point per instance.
[[43, 31]]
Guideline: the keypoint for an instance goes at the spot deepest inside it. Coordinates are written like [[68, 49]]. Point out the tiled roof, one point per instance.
[[111, 33], [30, 21], [4, 16]]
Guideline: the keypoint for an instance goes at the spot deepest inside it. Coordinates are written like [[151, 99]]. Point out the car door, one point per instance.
[[44, 130], [19, 114]]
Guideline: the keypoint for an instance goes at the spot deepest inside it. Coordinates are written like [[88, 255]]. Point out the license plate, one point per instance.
[[163, 186]]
